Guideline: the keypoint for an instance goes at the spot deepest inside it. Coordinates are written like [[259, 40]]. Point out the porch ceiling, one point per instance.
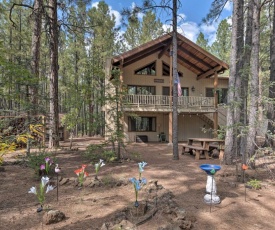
[[190, 55]]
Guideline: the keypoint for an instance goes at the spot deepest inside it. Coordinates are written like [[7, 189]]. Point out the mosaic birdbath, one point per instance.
[[211, 189]]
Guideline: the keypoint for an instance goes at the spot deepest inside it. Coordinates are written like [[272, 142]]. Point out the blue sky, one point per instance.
[[190, 21]]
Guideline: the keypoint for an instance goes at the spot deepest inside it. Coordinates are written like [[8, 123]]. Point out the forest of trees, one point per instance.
[[53, 58], [53, 61]]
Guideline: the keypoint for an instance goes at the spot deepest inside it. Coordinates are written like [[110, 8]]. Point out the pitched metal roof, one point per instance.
[[190, 55]]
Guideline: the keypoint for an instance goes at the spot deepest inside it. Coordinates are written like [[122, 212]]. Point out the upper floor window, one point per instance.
[[222, 94], [147, 70], [166, 91], [166, 70], [142, 90]]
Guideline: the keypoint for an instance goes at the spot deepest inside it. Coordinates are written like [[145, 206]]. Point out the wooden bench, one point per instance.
[[198, 150], [219, 147]]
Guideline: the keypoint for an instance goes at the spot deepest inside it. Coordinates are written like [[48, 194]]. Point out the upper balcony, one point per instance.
[[160, 103]]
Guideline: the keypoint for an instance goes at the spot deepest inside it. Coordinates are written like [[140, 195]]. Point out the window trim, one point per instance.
[[164, 63], [153, 86], [153, 125], [139, 69]]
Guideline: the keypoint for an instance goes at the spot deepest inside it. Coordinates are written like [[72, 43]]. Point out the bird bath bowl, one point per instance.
[[210, 169], [211, 188]]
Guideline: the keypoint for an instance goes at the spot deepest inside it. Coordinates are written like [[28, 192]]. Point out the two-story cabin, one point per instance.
[[147, 74]]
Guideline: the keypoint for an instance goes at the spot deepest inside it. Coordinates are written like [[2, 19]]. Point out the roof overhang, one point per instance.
[[190, 55]]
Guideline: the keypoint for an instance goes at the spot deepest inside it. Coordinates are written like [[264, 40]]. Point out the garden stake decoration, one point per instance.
[[141, 166], [41, 193], [138, 183], [97, 167], [244, 167], [47, 166], [81, 174], [57, 170]]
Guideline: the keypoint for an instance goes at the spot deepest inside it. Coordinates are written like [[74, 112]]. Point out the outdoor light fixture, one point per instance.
[[193, 89]]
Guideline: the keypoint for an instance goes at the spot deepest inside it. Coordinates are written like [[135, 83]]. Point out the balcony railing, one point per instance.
[[166, 101]]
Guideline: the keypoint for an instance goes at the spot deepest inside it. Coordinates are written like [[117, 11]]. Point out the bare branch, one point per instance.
[[13, 5]]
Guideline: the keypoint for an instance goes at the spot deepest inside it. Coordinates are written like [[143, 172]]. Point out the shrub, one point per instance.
[[36, 159], [254, 183], [95, 152]]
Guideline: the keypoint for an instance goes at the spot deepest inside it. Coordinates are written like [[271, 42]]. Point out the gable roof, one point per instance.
[[190, 55]]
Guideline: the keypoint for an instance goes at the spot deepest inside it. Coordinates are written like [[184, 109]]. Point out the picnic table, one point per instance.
[[202, 146]]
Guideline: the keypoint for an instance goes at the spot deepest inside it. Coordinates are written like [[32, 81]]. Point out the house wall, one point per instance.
[[189, 125], [188, 79]]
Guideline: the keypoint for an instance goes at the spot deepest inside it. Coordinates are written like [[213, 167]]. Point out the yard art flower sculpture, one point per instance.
[[138, 184], [47, 166], [98, 166], [41, 193], [81, 174], [141, 166]]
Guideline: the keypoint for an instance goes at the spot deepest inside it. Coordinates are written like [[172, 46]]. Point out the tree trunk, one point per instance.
[[245, 77], [35, 52], [175, 87], [254, 82], [54, 114], [270, 112], [236, 51]]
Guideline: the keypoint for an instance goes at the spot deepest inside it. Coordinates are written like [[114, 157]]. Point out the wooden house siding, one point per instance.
[[195, 111]]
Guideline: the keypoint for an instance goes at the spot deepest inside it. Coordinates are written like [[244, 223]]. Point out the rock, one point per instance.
[[125, 225], [180, 213], [95, 183], [64, 181], [170, 227], [185, 224], [140, 210], [87, 182], [53, 216], [153, 186], [2, 169]]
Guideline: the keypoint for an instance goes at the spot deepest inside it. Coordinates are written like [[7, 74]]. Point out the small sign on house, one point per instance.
[[158, 80]]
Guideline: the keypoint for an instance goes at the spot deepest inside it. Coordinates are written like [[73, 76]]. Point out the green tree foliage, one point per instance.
[[221, 46], [139, 32], [132, 33], [151, 27], [202, 41]]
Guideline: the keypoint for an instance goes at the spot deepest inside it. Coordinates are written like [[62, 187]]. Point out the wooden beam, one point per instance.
[[165, 48], [190, 64], [209, 73], [216, 105], [195, 57], [129, 61]]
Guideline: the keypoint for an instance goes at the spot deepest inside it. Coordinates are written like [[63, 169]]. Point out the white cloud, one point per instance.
[[181, 17], [228, 6], [189, 30]]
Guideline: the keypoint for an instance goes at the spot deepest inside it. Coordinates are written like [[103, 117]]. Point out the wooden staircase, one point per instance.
[[208, 118]]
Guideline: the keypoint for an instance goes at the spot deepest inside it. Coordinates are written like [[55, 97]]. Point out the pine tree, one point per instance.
[[202, 41], [132, 33], [221, 46], [151, 28]]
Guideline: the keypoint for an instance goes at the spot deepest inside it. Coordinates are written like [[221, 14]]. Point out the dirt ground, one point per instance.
[[90, 207]]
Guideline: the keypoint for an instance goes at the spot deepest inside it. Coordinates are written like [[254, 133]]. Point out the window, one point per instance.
[[222, 94], [141, 90], [147, 70], [166, 70], [184, 90], [142, 124]]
